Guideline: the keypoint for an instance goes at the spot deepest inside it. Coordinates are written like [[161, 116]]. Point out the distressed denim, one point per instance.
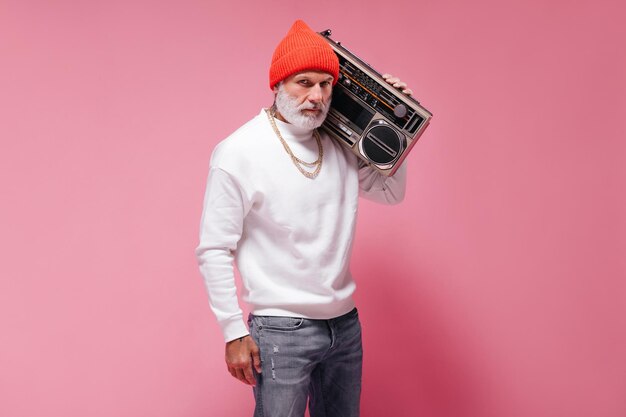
[[318, 360]]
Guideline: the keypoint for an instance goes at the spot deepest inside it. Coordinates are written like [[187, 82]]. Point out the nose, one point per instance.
[[315, 94]]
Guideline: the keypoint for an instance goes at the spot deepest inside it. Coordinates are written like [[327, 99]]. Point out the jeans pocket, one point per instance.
[[282, 324]]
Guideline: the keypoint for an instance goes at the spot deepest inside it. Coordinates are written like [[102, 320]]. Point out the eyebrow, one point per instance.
[[308, 77]]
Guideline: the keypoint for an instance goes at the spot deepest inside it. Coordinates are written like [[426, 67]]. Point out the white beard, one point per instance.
[[288, 107]]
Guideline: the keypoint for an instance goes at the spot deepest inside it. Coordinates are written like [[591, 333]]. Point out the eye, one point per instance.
[[325, 83], [304, 82]]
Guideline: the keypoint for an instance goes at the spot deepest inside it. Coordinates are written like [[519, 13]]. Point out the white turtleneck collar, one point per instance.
[[292, 132]]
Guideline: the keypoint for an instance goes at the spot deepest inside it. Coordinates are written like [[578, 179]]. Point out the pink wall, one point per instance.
[[497, 289]]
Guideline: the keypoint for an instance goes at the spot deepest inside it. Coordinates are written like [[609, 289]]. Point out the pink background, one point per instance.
[[497, 289]]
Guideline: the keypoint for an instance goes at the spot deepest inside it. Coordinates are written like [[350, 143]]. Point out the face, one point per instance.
[[303, 99]]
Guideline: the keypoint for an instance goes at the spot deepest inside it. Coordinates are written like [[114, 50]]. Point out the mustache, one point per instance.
[[313, 106]]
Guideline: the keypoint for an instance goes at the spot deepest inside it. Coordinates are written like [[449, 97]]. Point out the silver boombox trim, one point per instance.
[[377, 122]]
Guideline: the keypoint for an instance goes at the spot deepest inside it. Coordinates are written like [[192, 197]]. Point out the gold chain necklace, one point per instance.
[[297, 161]]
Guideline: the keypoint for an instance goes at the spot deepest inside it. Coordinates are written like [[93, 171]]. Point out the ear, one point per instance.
[[277, 86]]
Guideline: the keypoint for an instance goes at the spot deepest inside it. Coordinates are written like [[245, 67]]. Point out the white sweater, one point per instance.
[[290, 236]]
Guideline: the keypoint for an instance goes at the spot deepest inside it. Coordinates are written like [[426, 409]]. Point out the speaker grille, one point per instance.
[[382, 144]]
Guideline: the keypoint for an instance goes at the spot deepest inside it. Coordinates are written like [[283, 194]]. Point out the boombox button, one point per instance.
[[345, 129]]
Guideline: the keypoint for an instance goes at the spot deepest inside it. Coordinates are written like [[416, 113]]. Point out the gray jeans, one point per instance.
[[318, 360]]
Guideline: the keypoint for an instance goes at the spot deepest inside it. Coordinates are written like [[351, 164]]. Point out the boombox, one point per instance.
[[377, 122]]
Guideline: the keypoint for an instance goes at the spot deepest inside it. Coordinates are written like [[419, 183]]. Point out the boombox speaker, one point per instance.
[[376, 121]]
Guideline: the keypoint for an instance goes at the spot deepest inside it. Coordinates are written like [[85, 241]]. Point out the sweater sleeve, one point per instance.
[[220, 230], [379, 188]]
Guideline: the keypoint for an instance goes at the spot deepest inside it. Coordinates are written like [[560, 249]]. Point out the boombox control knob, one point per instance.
[[400, 110]]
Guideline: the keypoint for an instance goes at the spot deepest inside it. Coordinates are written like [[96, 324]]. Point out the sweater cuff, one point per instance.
[[234, 329]]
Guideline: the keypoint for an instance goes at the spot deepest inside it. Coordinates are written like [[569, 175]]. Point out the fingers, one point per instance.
[[241, 355], [256, 360], [241, 376], [249, 376], [397, 83], [244, 374]]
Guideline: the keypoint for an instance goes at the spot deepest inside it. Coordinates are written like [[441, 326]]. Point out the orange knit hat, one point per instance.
[[300, 50]]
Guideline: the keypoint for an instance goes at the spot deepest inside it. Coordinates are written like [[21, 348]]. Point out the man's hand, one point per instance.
[[241, 355], [395, 81]]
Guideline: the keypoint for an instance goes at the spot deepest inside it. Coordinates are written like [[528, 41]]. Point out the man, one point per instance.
[[281, 202]]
